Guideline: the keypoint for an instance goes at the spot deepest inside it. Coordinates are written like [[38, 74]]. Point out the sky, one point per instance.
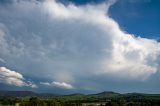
[[85, 46]]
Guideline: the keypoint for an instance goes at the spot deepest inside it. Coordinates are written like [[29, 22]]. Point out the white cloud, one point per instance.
[[13, 78], [58, 84], [31, 84], [133, 57], [62, 85]]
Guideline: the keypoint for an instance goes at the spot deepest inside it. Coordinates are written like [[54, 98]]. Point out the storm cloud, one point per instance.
[[69, 43]]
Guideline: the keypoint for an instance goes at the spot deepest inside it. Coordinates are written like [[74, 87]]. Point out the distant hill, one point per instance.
[[106, 94], [14, 94], [77, 96]]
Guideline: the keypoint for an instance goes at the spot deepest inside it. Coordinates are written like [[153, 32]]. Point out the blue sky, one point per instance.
[[141, 12], [129, 13], [80, 46]]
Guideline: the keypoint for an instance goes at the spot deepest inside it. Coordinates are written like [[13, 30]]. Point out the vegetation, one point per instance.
[[100, 99]]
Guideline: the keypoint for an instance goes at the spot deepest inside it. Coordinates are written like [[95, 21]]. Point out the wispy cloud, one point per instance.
[[2, 60], [58, 84]]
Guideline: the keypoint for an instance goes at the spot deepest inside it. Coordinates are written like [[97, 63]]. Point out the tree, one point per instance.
[[33, 101]]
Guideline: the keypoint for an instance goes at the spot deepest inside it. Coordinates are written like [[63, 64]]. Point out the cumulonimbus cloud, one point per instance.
[[64, 42], [131, 56], [14, 78]]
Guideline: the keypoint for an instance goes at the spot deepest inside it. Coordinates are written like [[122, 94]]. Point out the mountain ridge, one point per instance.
[[9, 93]]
